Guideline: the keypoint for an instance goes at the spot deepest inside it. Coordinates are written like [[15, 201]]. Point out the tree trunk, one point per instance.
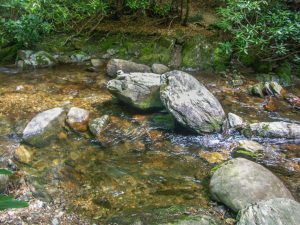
[[187, 13]]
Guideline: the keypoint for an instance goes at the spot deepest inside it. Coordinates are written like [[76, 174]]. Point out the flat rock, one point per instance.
[[126, 66], [44, 127], [276, 130], [240, 182], [140, 90], [279, 211], [192, 105]]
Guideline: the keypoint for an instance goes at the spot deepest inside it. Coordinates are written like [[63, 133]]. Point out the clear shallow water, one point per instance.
[[140, 165]]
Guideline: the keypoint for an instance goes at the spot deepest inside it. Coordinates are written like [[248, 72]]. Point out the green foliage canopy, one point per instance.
[[266, 27]]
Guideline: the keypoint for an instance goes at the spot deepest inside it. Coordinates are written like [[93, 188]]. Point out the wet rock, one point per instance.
[[275, 130], [140, 90], [97, 125], [275, 211], [236, 82], [277, 89], [97, 62], [126, 66], [39, 59], [9, 71], [92, 69], [214, 157], [175, 215], [79, 57], [78, 119], [191, 103], [44, 127], [271, 104], [22, 154], [3, 182], [159, 68], [256, 90], [248, 149], [164, 121], [55, 221], [235, 121], [239, 182], [293, 100]]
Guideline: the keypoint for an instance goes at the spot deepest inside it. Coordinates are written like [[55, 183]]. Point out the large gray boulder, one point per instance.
[[126, 66], [279, 211], [276, 130], [191, 103], [44, 127], [240, 182], [140, 90]]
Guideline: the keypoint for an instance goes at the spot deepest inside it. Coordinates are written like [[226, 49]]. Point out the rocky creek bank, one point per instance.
[[194, 107]]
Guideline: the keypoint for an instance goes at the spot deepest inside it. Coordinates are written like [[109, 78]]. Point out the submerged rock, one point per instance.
[[78, 119], [159, 68], [275, 130], [248, 149], [22, 154], [239, 182], [140, 90], [175, 215], [3, 182], [97, 125], [126, 66], [279, 211], [9, 71], [191, 103], [44, 127], [293, 100]]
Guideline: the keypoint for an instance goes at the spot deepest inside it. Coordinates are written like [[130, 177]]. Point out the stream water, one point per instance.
[[144, 163]]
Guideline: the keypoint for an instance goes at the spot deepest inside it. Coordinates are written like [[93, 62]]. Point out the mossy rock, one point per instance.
[[157, 51], [163, 121], [214, 169], [111, 42], [221, 57], [246, 154], [169, 215], [198, 53]]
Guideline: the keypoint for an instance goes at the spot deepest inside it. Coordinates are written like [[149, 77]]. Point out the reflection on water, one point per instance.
[[141, 161]]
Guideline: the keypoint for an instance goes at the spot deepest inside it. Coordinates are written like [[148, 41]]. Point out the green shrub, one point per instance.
[[266, 26]]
